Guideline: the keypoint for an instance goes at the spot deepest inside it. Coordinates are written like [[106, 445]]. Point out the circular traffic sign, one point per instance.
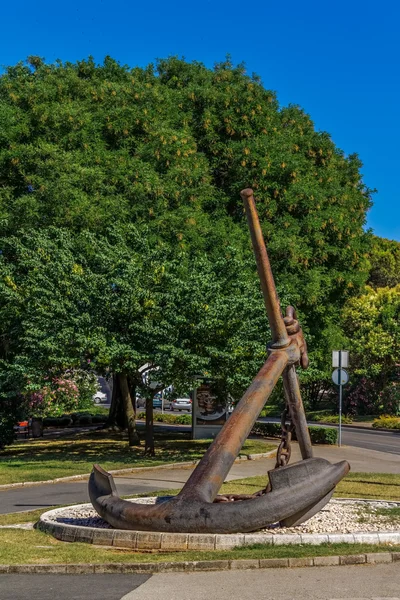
[[340, 377]]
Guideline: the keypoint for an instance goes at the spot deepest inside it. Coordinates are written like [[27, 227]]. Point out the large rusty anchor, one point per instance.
[[294, 492]]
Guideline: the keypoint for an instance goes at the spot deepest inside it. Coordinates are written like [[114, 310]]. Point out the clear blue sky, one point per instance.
[[339, 60]]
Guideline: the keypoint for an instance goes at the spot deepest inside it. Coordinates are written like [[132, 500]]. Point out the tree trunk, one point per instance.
[[132, 391], [116, 416], [130, 420], [149, 439]]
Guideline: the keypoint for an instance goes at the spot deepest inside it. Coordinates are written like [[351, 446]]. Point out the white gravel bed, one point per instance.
[[338, 516], [346, 516]]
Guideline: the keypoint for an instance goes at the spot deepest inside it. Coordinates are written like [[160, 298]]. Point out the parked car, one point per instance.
[[140, 402], [158, 401], [184, 403], [99, 398]]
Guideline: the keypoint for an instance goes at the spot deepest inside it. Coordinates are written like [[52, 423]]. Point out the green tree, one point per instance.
[[94, 150], [385, 263], [372, 323]]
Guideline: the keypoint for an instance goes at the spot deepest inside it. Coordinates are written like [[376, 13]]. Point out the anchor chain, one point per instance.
[[285, 448]]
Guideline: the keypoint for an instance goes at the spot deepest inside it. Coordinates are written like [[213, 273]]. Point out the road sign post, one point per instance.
[[340, 358]]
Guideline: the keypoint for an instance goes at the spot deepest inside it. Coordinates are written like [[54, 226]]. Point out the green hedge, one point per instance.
[[74, 420], [334, 419], [166, 418], [319, 435]]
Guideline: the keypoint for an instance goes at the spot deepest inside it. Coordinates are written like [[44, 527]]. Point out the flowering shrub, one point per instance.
[[367, 397], [63, 394], [363, 398], [389, 398]]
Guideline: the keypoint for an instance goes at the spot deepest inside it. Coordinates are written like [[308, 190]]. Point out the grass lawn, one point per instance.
[[37, 460], [35, 547], [376, 486], [30, 547]]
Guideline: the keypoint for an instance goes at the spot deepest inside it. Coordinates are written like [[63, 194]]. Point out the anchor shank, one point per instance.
[[280, 338], [293, 398], [206, 480]]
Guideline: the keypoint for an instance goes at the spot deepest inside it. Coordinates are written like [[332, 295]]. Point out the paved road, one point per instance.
[[376, 582], [69, 587], [382, 441], [29, 498]]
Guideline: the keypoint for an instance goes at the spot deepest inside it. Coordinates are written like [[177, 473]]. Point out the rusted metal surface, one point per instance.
[[280, 337], [294, 492], [210, 473]]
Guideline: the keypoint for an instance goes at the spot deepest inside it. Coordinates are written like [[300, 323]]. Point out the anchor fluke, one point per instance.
[[294, 489]]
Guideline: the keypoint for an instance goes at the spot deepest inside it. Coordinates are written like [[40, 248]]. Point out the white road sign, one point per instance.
[[340, 377]]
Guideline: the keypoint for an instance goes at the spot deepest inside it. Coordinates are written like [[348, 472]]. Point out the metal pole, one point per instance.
[[280, 337], [293, 397], [340, 398], [162, 402]]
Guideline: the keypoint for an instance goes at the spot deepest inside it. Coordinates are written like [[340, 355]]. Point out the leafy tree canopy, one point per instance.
[[85, 145], [385, 263], [77, 299], [122, 230], [372, 322]]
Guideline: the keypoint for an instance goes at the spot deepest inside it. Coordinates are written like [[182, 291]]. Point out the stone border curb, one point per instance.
[[207, 565], [186, 464], [178, 542]]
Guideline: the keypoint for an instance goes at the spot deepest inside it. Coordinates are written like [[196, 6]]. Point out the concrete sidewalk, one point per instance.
[[41, 496]]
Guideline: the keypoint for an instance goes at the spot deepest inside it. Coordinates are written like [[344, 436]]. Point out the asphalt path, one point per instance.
[[382, 441], [370, 582], [135, 482], [69, 587]]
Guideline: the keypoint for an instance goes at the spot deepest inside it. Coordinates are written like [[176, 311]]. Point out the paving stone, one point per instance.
[[279, 540], [85, 535], [366, 538], [169, 567], [124, 539], [257, 538], [50, 568], [103, 537], [249, 563], [68, 533], [198, 541], [148, 541], [273, 563], [389, 538], [326, 561], [314, 539], [339, 538], [79, 569], [211, 565], [140, 568], [174, 541], [379, 557], [225, 542], [21, 569], [109, 568], [395, 556], [352, 559], [301, 562]]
